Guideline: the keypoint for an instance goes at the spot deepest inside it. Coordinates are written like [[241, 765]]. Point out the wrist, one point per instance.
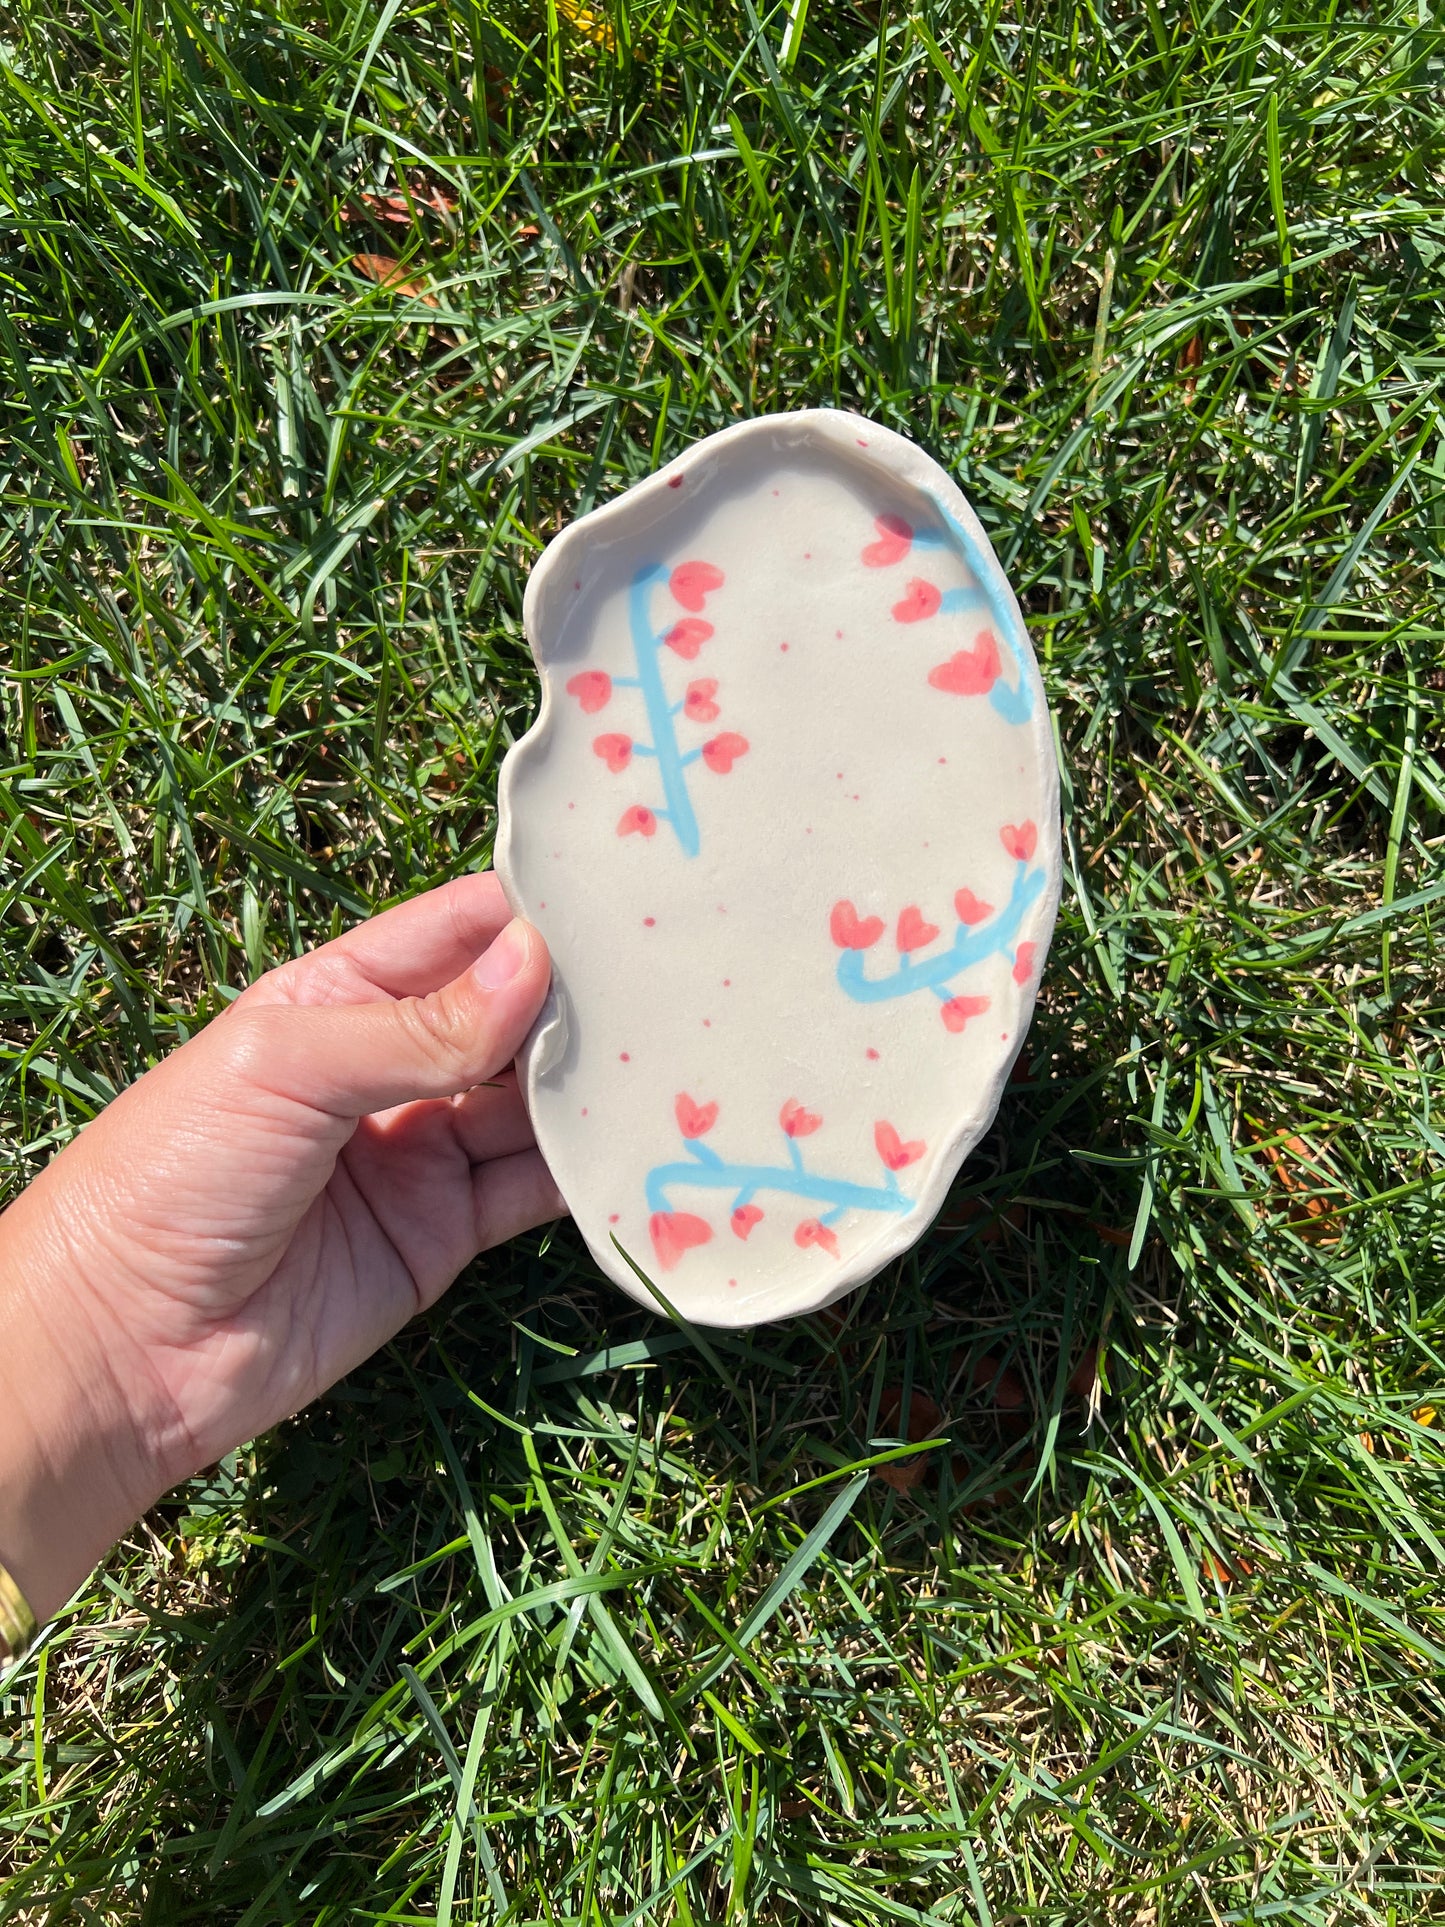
[[74, 1474]]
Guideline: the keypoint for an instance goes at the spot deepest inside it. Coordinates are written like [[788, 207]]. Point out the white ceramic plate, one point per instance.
[[788, 821]]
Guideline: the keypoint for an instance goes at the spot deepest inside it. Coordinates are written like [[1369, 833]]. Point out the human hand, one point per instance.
[[258, 1214]]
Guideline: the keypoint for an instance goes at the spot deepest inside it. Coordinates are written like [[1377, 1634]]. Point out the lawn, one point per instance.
[[317, 320]]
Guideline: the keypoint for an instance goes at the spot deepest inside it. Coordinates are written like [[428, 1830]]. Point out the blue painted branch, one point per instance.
[[646, 644], [747, 1179], [971, 944]]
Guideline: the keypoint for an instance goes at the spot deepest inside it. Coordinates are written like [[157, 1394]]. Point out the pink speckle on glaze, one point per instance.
[[722, 909], [839, 634], [860, 441], [727, 983], [625, 1057], [733, 1281], [871, 1054], [943, 759], [649, 923], [783, 648], [614, 1217], [576, 585], [674, 481], [584, 1110], [1003, 1037], [707, 1023]]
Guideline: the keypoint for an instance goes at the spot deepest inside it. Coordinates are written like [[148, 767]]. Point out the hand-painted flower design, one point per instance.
[[852, 932], [699, 703], [981, 932], [894, 540], [615, 751], [693, 1120], [970, 672], [675, 1232], [686, 637], [693, 582], [690, 584], [967, 672], [891, 1148], [970, 909], [592, 688], [796, 1121], [914, 931], [812, 1231], [920, 601], [723, 751]]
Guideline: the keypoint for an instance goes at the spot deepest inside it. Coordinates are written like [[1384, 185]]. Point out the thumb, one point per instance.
[[352, 1059]]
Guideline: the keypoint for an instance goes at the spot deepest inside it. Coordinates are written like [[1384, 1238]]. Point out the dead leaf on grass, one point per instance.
[[388, 272], [925, 1421], [1307, 1188]]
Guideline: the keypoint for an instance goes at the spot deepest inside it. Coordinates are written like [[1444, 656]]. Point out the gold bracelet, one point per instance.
[[17, 1623]]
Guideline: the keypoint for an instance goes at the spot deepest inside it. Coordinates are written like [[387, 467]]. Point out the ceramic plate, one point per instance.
[[788, 821]]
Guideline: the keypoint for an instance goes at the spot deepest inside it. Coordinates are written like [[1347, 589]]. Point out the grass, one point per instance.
[[549, 1615]]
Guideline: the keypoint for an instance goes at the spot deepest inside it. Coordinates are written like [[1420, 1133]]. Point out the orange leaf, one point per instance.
[[388, 272], [1302, 1180], [1111, 1234]]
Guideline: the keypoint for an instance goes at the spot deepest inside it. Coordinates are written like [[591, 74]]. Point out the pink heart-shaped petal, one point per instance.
[[971, 909], [796, 1121], [958, 1010], [591, 687], [615, 751], [895, 539], [1020, 840], [914, 932], [971, 672], [813, 1232], [686, 637], [852, 932], [744, 1218], [638, 821], [892, 1149], [723, 751], [699, 702], [692, 582], [676, 1232], [693, 1120], [1024, 963], [920, 601]]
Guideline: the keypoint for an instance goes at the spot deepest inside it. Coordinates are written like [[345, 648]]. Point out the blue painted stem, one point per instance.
[[670, 762], [971, 944], [709, 1172]]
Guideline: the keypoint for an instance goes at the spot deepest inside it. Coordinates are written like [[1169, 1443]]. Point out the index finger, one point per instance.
[[407, 951]]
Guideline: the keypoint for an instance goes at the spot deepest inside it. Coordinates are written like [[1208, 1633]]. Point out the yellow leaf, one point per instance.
[[593, 26]]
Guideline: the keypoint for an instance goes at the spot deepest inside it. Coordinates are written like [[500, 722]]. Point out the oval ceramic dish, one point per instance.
[[788, 820]]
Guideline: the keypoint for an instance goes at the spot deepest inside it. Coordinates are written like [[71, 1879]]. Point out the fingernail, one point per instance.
[[507, 955]]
